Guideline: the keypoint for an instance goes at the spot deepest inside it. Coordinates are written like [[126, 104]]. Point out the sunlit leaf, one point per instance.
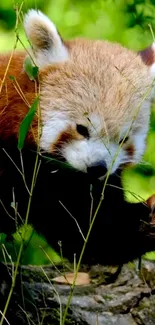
[[150, 256], [81, 279]]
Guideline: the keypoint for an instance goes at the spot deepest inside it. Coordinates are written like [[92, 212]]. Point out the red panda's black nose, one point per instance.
[[97, 170]]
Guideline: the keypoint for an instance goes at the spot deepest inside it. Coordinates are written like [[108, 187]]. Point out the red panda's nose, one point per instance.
[[98, 169]]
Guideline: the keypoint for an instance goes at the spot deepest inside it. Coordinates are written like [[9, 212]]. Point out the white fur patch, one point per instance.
[[38, 26], [152, 70], [139, 142], [55, 124], [84, 153], [137, 139]]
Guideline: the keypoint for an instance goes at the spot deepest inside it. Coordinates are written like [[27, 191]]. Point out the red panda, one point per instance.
[[95, 110]]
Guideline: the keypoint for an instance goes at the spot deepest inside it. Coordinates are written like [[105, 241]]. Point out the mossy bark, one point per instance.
[[127, 298]]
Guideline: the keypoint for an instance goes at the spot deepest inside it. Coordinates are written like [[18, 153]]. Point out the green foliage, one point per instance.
[[25, 125], [8, 11], [115, 20], [122, 21], [36, 249]]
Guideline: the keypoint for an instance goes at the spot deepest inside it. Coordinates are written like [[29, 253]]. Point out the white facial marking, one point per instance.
[[152, 70], [81, 154], [84, 153], [56, 123], [139, 142]]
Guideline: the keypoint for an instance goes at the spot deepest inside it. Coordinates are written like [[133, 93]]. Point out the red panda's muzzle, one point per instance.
[[97, 170]]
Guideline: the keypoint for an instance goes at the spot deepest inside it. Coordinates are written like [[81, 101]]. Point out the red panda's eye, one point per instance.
[[81, 129], [124, 140]]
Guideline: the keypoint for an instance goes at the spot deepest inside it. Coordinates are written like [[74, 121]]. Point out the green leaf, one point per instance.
[[12, 78], [30, 69], [24, 126]]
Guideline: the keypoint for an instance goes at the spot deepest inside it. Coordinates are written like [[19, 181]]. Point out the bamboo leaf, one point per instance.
[[25, 124], [30, 69]]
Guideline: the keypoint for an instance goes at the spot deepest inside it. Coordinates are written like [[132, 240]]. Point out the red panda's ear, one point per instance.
[[46, 42], [148, 57]]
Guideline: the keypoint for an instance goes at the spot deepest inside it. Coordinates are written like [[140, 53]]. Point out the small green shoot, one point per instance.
[[12, 78]]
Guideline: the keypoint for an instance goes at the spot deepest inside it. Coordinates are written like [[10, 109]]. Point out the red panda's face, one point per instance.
[[95, 98]]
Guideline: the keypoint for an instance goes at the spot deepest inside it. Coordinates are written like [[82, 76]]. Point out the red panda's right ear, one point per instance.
[[46, 42]]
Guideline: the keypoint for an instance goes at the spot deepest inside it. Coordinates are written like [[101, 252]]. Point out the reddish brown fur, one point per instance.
[[148, 56], [64, 137], [12, 107], [130, 149]]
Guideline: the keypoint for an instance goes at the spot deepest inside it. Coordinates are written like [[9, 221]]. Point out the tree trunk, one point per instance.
[[125, 298]]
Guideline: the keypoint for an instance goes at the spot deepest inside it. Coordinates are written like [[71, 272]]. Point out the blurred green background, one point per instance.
[[128, 22]]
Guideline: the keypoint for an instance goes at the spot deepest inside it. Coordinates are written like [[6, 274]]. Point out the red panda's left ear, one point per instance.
[[46, 42], [148, 57]]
